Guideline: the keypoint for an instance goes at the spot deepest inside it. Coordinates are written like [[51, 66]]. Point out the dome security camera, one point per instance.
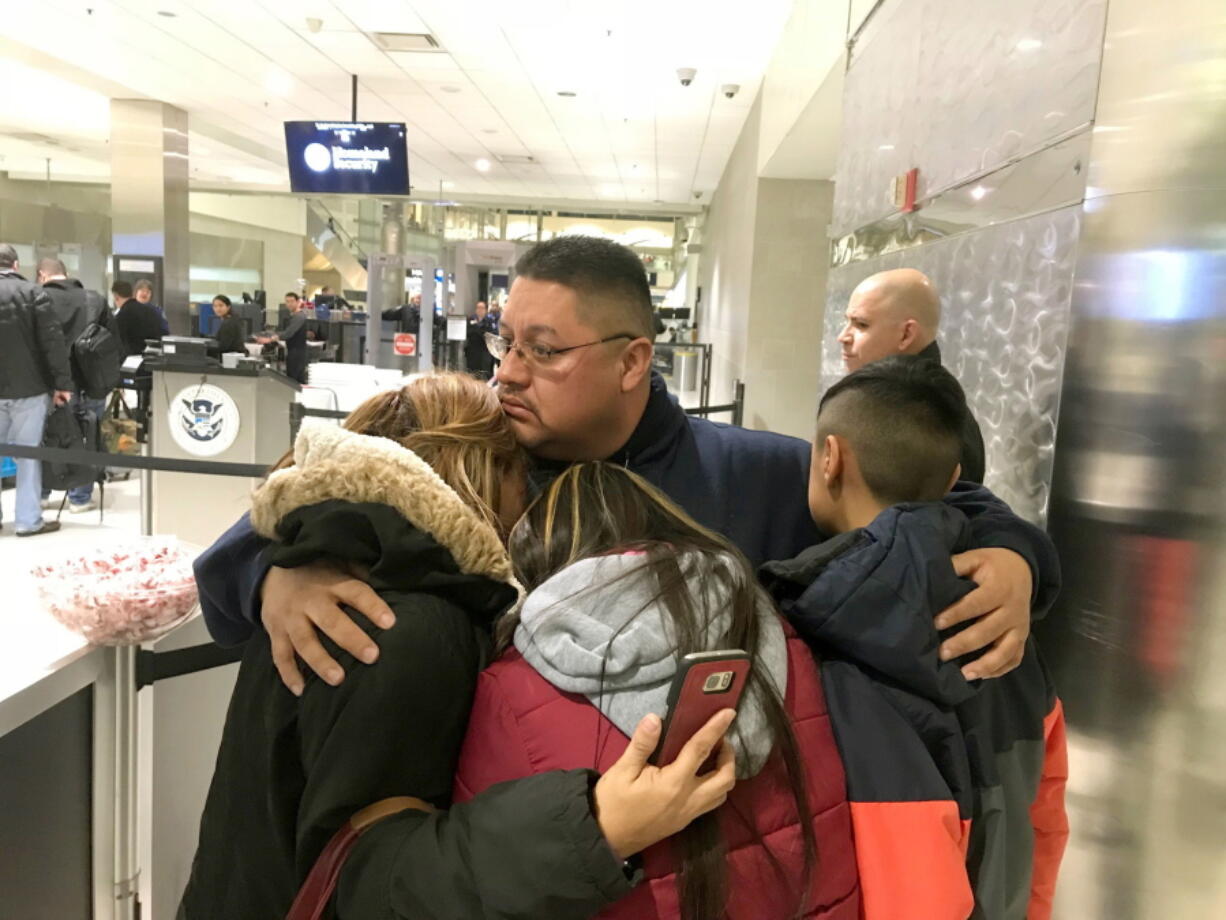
[[686, 75], [730, 89]]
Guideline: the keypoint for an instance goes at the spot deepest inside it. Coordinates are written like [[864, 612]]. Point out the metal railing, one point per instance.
[[335, 225], [736, 407]]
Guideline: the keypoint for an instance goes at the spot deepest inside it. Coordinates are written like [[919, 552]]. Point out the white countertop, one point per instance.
[[42, 662]]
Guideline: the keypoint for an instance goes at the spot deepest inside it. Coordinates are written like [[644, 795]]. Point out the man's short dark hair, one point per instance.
[[52, 267], [293, 295], [143, 285], [903, 418], [8, 256], [121, 289], [608, 277]]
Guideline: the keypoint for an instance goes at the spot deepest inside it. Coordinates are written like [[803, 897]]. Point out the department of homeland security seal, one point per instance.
[[203, 420]]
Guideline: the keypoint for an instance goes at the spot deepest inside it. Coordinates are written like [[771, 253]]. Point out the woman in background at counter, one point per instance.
[[230, 335]]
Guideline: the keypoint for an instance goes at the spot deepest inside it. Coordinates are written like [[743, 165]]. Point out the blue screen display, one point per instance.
[[347, 158]]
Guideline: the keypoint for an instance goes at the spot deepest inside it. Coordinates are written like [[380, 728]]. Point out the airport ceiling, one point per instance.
[[587, 89]]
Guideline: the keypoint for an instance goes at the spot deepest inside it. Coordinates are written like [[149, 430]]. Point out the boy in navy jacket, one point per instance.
[[956, 787]]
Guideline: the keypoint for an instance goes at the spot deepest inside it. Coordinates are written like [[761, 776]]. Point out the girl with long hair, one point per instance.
[[622, 584], [417, 491]]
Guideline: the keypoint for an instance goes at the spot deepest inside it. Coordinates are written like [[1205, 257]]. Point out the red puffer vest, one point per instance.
[[521, 724]]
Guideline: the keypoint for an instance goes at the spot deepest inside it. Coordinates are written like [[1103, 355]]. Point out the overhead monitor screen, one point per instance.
[[347, 158]]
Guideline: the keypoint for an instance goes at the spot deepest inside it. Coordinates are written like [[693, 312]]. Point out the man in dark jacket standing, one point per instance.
[[143, 291], [135, 321], [76, 308], [294, 335], [34, 371], [477, 358], [898, 312]]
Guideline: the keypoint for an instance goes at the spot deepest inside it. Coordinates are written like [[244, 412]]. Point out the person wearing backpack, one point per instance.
[[95, 354], [34, 373]]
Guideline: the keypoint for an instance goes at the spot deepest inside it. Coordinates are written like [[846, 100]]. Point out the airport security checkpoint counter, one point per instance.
[[209, 413]]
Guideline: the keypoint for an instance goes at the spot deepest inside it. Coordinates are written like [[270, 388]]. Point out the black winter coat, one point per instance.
[[76, 309], [33, 355], [230, 335], [291, 770], [136, 323]]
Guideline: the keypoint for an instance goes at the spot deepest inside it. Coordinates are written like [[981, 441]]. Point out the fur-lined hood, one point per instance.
[[332, 463]]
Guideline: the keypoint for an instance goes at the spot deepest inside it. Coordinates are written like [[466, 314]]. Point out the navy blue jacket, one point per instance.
[[971, 775], [751, 486]]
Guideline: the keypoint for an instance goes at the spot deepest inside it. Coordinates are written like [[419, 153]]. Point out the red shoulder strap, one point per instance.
[[317, 890]]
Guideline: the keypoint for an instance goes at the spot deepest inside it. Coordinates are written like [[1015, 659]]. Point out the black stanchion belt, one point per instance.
[[163, 464], [155, 666], [703, 410]]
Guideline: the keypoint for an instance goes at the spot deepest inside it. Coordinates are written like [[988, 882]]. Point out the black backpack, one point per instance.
[[70, 427], [97, 359]]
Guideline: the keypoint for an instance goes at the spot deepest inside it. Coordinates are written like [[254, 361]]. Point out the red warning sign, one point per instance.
[[405, 343]]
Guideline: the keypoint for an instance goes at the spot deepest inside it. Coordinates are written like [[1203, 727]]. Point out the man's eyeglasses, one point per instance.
[[537, 353]]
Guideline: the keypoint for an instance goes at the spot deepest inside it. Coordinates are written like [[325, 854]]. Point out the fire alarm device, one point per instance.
[[904, 190]]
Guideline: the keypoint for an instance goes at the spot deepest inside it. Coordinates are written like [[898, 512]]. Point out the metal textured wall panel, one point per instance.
[[1005, 294], [1137, 640], [958, 88]]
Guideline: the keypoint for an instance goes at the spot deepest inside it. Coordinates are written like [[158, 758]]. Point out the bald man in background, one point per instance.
[[898, 312]]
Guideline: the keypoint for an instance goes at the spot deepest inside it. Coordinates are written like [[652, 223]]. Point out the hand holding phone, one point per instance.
[[637, 804], [705, 683]]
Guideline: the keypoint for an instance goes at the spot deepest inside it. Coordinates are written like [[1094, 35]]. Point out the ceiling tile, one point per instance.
[[249, 64]]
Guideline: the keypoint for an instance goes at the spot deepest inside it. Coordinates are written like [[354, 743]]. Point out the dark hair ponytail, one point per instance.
[[595, 508]]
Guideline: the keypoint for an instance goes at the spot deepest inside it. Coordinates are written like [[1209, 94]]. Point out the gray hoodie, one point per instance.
[[594, 629]]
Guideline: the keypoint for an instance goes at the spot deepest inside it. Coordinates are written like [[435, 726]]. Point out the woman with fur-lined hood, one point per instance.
[[417, 490]]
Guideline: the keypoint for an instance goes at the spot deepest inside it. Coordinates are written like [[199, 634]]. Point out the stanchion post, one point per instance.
[[738, 413], [126, 865], [106, 817]]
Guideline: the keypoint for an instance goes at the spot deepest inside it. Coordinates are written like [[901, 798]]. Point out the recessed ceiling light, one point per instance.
[[1029, 44], [567, 94], [886, 147], [449, 88], [483, 165], [406, 41], [978, 192]]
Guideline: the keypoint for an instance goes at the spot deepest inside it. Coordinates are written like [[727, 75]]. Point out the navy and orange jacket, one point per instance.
[[956, 788]]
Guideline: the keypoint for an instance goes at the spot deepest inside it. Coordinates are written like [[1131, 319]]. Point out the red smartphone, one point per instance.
[[705, 683]]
